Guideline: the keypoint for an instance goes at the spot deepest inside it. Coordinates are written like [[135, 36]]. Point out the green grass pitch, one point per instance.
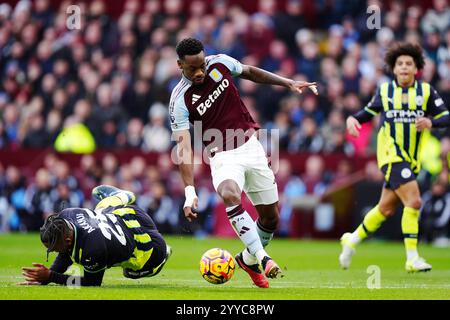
[[311, 271]]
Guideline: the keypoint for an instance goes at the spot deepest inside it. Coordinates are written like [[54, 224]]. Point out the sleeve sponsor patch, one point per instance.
[[438, 102]]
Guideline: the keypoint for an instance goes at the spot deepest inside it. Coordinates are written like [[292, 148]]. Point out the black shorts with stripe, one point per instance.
[[396, 174]]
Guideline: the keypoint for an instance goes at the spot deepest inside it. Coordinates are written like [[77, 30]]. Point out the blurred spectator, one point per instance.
[[156, 136], [11, 123], [339, 144], [259, 35], [278, 54], [37, 135], [229, 43], [307, 138], [291, 187], [110, 164], [75, 137], [308, 64], [62, 174], [282, 124], [108, 115], [315, 177], [435, 213], [89, 174], [63, 197], [12, 198], [4, 141], [134, 133], [162, 209], [431, 45], [53, 126], [38, 201], [437, 18], [288, 22], [138, 98]]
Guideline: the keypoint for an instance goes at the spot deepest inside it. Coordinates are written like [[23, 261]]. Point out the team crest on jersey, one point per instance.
[[406, 173], [419, 100], [216, 75]]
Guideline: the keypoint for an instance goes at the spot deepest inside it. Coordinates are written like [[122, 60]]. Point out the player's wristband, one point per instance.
[[189, 193]]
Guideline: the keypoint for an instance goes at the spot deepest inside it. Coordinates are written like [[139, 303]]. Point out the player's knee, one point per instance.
[[230, 196], [387, 210], [415, 203]]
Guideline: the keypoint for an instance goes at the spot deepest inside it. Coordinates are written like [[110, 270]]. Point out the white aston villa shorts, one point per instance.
[[248, 166]]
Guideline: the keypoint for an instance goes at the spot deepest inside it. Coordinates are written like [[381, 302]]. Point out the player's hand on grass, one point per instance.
[[423, 123], [298, 86], [36, 275], [353, 126], [190, 203]]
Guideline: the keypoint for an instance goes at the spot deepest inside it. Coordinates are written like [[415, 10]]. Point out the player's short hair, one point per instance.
[[54, 231], [189, 47], [404, 49]]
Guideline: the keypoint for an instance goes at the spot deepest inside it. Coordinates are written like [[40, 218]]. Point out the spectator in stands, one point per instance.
[[288, 21], [12, 198], [4, 141], [306, 138], [291, 187], [38, 201], [437, 18], [110, 165], [435, 213], [89, 174], [11, 122], [53, 126], [259, 36], [156, 136], [134, 133], [283, 125], [36, 135], [339, 144], [309, 63], [278, 54], [315, 176], [228, 41], [138, 167], [108, 115], [63, 197], [162, 209]]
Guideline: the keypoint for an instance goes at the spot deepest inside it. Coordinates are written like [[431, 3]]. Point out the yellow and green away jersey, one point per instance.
[[398, 140]]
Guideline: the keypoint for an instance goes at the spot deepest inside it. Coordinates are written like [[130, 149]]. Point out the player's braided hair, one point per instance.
[[53, 231], [404, 49], [189, 46]]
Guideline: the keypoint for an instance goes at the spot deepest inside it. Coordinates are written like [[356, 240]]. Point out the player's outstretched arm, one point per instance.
[[40, 274], [258, 75], [186, 168]]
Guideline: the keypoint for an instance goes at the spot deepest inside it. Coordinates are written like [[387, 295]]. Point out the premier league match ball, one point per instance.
[[217, 266]]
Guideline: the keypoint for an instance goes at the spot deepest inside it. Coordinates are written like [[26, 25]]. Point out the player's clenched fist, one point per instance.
[[423, 123]]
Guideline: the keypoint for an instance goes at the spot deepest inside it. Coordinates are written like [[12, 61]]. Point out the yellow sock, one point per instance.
[[372, 221], [410, 230]]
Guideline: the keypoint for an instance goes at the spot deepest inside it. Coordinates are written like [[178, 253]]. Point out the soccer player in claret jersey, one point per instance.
[[405, 105], [206, 94], [115, 233]]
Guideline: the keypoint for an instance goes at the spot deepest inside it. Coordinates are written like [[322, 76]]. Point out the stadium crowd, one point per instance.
[[112, 79]]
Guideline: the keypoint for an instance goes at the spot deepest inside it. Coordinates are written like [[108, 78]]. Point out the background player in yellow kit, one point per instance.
[[405, 104]]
